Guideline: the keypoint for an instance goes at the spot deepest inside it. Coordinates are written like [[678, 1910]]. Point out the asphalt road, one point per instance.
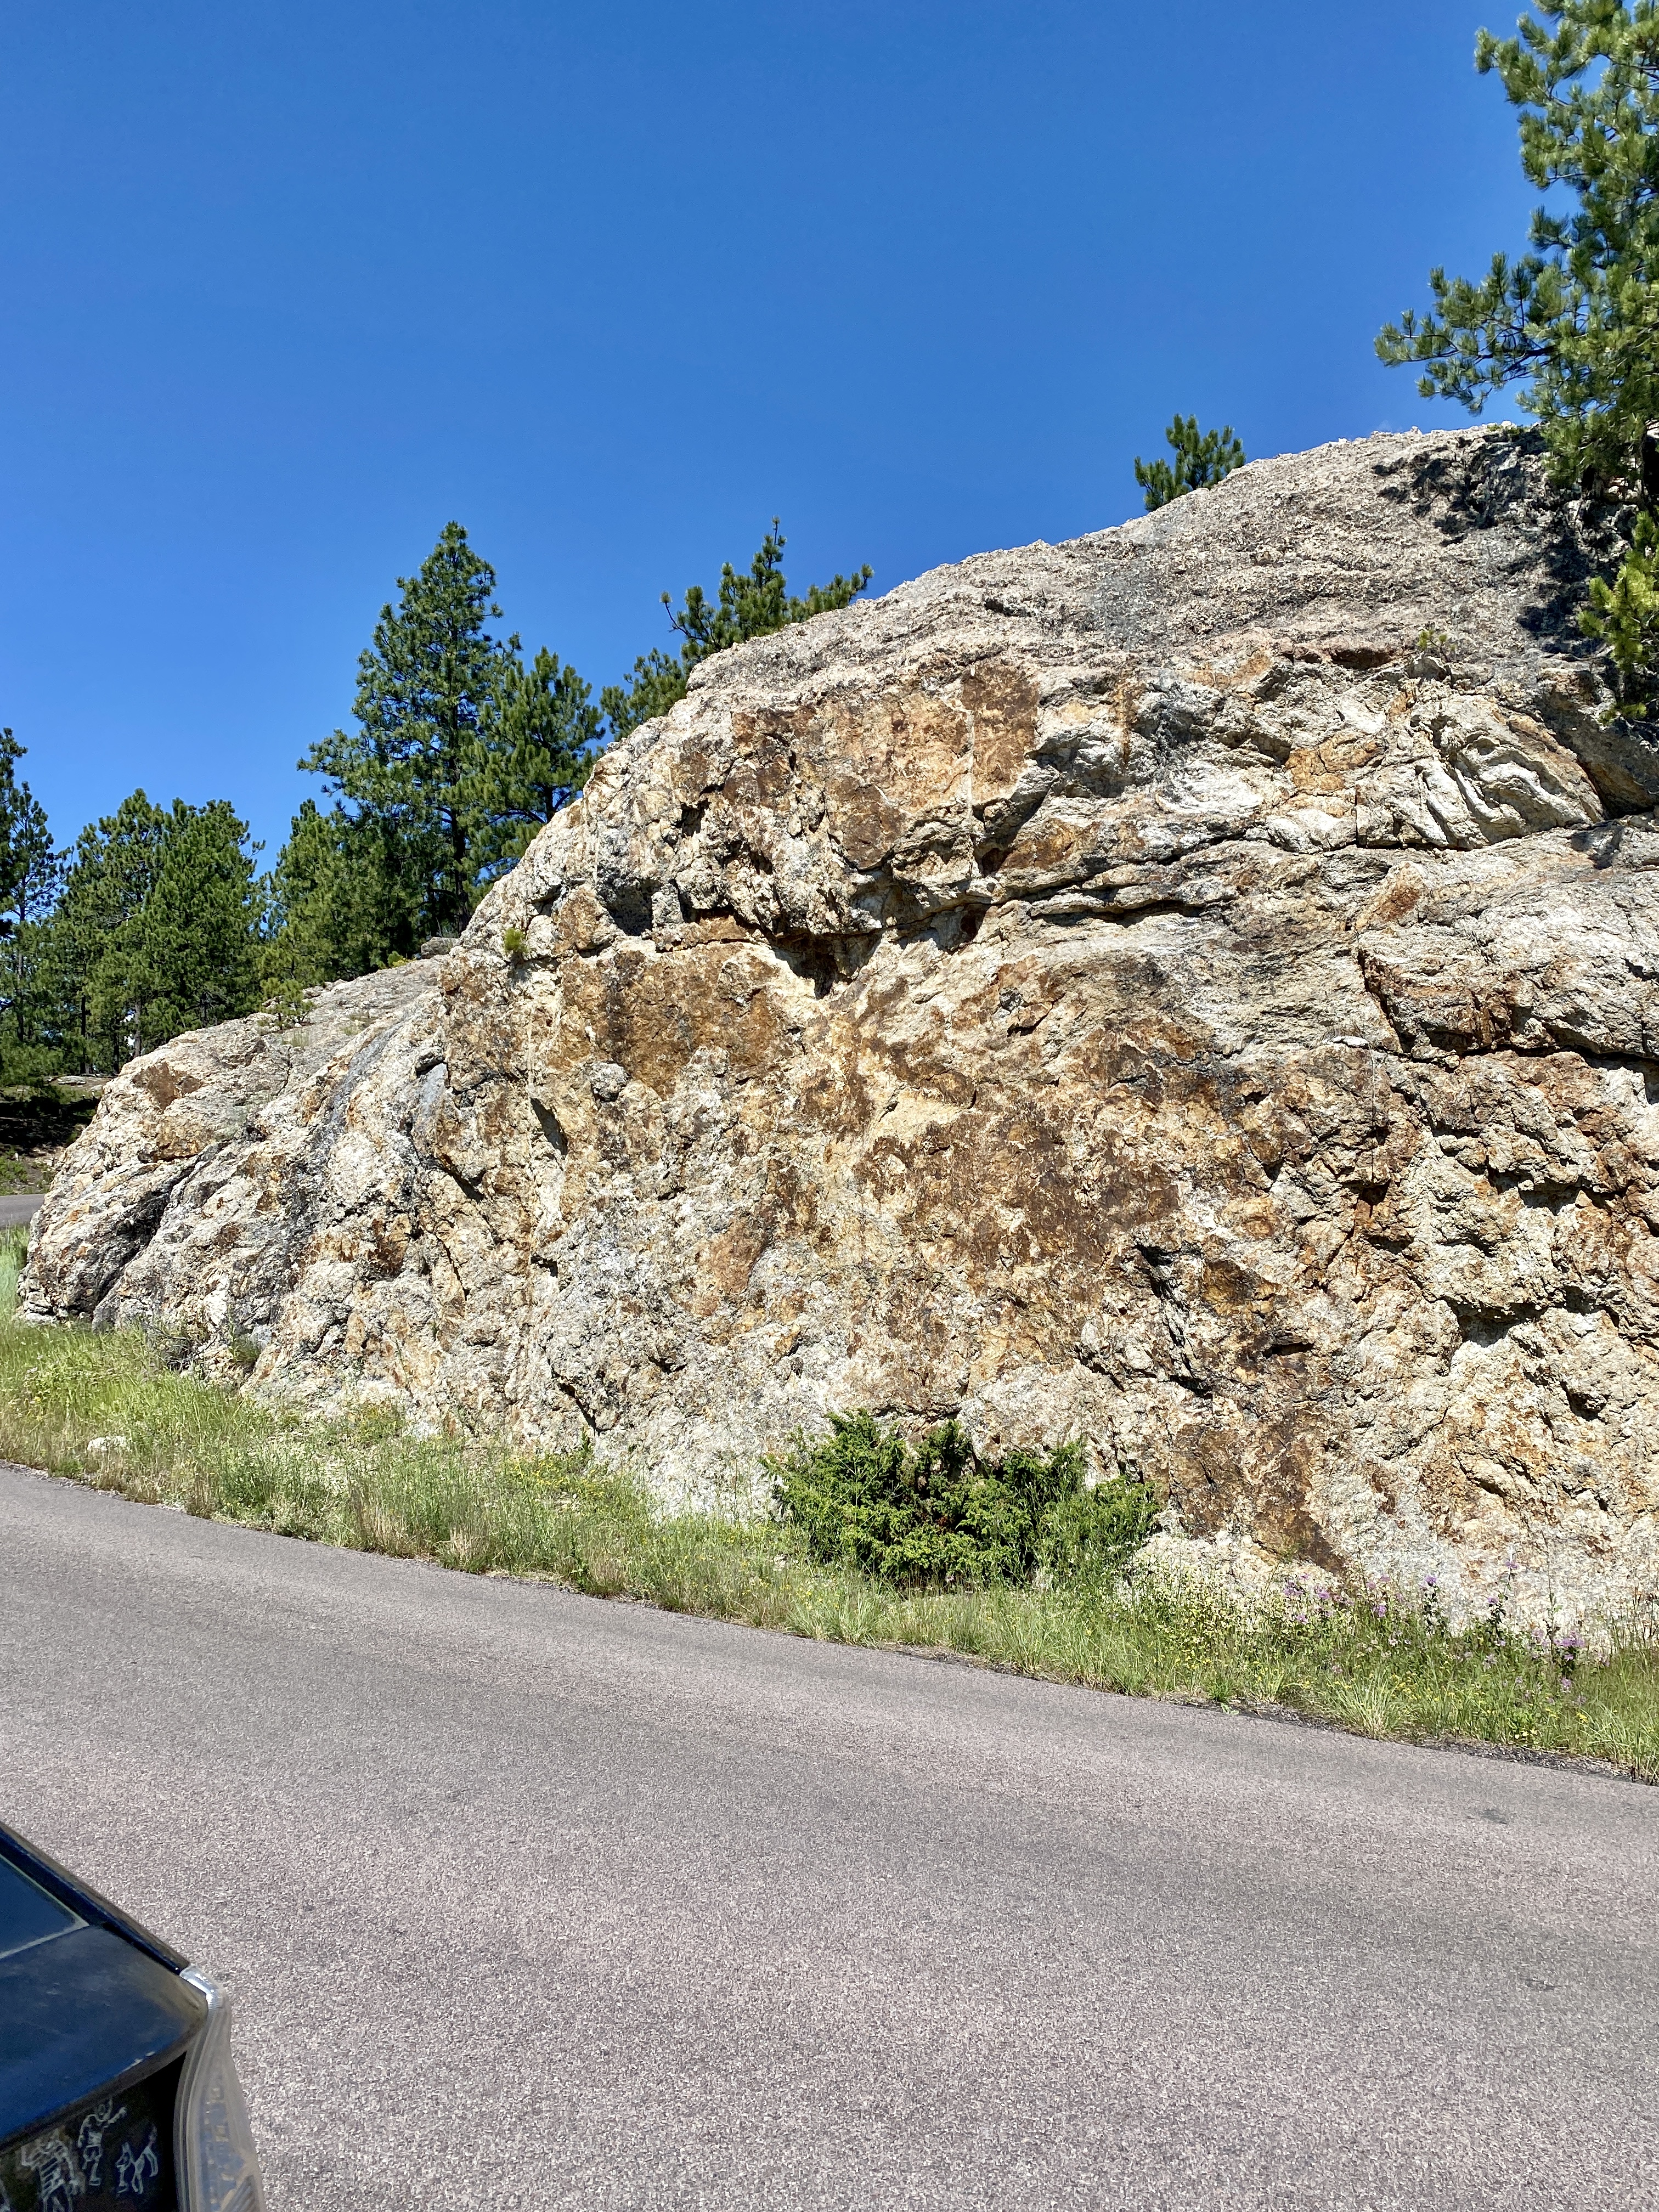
[[529, 1900], [18, 1207]]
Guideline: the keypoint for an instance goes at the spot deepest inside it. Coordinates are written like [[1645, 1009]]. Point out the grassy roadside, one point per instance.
[[108, 1410]]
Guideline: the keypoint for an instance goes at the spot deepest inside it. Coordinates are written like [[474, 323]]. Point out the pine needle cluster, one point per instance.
[[1573, 323], [1202, 457]]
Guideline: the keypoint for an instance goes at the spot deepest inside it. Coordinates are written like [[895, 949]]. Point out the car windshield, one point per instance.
[[27, 1914]]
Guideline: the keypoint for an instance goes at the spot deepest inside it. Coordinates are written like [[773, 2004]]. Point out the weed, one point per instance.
[[174, 1347]]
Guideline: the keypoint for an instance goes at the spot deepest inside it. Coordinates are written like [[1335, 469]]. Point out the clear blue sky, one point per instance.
[[290, 286]]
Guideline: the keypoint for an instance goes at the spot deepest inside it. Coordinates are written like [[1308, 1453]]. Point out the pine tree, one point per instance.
[[462, 753], [194, 951], [342, 899], [534, 755], [427, 690], [1575, 322], [29, 869], [1624, 613], [30, 875], [157, 931], [460, 756], [751, 605], [1202, 457], [111, 869]]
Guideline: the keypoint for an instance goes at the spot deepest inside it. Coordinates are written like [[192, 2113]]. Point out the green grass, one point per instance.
[[108, 1410]]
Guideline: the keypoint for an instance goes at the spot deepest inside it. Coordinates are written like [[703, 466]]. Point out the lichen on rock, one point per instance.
[[1192, 989]]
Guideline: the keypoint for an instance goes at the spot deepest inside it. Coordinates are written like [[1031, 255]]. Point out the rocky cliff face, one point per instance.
[[1196, 988]]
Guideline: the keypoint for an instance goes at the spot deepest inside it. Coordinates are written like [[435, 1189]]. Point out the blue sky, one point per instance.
[[290, 286]]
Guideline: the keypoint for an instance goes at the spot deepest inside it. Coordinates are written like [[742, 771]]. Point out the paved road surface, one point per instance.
[[532, 1901], [17, 1207]]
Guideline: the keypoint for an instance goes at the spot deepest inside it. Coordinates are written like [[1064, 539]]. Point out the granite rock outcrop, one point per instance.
[[1196, 988]]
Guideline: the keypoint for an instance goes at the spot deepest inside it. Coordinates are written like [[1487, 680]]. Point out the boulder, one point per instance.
[[1196, 988]]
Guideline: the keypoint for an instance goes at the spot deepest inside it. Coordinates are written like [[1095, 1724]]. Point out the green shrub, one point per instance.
[[1092, 1534], [936, 1512]]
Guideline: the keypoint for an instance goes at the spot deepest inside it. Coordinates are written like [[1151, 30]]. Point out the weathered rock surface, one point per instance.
[[1145, 988]]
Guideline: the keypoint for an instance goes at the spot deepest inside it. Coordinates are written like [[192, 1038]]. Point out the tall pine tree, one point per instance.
[[532, 756], [1572, 322], [29, 868], [194, 951], [30, 874], [111, 869], [427, 692]]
